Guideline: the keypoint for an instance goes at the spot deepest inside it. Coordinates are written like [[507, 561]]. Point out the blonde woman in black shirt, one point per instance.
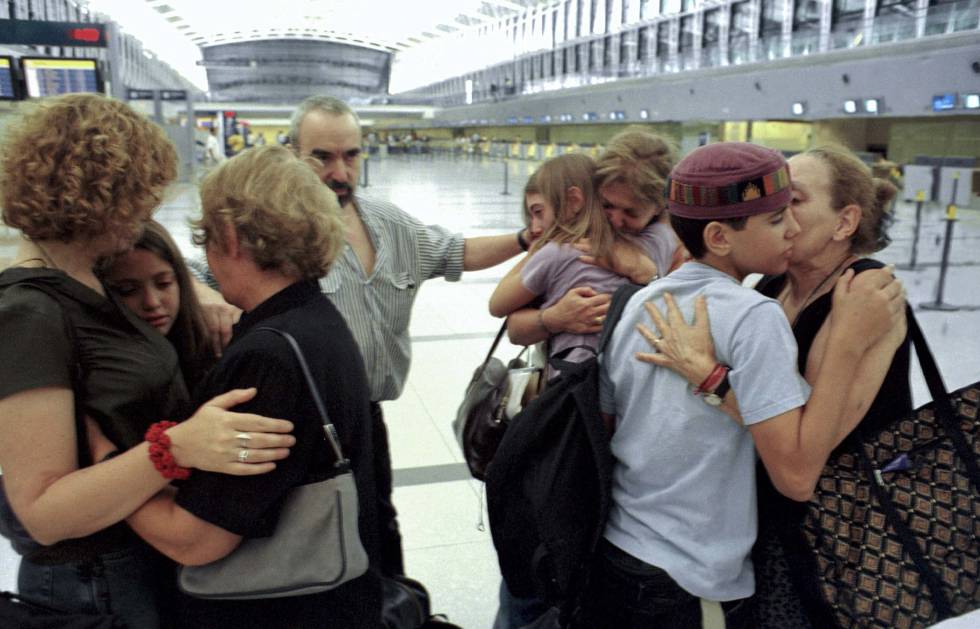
[[271, 229]]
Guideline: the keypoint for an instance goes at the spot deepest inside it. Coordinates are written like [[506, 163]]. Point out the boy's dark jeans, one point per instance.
[[627, 593]]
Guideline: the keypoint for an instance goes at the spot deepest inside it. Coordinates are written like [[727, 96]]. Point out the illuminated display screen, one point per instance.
[[50, 77], [6, 79], [942, 102]]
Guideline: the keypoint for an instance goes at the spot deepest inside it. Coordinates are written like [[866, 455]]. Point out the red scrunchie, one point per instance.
[[160, 453]]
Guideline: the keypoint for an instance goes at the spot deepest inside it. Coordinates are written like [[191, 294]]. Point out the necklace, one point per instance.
[[27, 260], [823, 282]]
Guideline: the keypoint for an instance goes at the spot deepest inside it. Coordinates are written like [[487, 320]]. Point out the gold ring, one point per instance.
[[243, 455], [598, 320]]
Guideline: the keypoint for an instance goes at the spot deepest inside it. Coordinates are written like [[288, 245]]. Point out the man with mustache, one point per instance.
[[374, 282]]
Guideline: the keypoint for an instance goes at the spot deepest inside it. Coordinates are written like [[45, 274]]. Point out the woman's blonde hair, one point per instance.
[[82, 165], [284, 216], [552, 180], [851, 183], [641, 161]]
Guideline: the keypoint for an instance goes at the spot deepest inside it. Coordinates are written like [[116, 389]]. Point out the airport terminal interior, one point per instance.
[[461, 100]]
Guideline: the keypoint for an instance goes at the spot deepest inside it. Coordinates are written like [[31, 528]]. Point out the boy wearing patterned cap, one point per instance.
[[683, 518]]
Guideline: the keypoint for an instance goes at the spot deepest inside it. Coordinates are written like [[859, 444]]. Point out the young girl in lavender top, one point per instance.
[[561, 208]]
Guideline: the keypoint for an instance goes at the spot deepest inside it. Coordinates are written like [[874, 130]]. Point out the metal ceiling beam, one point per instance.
[[506, 4]]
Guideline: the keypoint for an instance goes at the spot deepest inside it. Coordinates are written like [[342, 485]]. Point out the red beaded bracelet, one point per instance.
[[160, 453], [713, 380]]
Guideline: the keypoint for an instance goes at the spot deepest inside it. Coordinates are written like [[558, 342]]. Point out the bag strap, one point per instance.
[[943, 408], [616, 307], [909, 544], [496, 341], [945, 414], [328, 428]]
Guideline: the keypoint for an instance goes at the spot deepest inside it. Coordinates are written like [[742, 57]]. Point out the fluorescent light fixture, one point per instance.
[[612, 115], [546, 118], [850, 106], [799, 108], [585, 116], [644, 114], [970, 101], [872, 105]]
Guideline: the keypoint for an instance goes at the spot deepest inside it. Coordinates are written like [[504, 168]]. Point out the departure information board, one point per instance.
[[7, 79], [53, 76]]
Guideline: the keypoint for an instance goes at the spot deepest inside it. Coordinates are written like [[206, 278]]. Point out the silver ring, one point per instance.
[[243, 455], [243, 439], [657, 340]]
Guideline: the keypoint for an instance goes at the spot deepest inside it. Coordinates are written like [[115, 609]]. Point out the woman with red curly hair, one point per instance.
[[79, 175]]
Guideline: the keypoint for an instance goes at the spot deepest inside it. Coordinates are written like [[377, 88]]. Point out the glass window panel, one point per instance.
[[848, 8], [947, 16], [668, 7], [896, 7], [772, 16], [649, 9], [895, 20], [741, 18], [663, 36], [712, 26], [806, 14], [687, 33]]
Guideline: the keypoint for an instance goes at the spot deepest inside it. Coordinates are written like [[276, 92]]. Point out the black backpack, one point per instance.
[[549, 484]]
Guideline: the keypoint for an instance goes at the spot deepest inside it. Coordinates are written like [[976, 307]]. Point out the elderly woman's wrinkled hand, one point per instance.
[[219, 440], [686, 349], [867, 305], [625, 259]]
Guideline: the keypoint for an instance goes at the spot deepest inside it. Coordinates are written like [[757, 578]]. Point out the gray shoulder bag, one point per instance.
[[315, 546]]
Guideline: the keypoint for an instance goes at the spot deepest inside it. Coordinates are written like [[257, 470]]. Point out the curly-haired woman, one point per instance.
[[79, 175]]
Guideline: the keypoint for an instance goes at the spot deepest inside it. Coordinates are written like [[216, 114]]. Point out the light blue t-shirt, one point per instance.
[[683, 491]]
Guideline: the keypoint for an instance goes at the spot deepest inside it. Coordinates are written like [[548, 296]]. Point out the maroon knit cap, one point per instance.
[[728, 180]]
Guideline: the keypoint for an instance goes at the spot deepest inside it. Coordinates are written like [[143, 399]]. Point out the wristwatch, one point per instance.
[[717, 396]]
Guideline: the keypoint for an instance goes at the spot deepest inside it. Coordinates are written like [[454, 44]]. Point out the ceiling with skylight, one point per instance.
[[176, 30], [390, 25]]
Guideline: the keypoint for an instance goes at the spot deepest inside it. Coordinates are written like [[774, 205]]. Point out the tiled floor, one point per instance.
[[442, 519]]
